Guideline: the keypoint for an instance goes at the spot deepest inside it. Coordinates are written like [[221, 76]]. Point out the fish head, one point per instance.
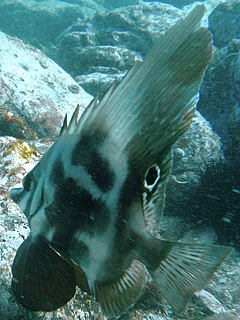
[[28, 198], [35, 195], [73, 190]]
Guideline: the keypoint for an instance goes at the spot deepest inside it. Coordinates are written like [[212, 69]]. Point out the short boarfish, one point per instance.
[[95, 199]]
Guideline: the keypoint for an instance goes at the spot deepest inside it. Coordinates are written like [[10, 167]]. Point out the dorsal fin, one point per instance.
[[155, 102]]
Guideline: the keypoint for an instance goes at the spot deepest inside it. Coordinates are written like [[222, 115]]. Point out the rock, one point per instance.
[[98, 82], [224, 316], [85, 4], [112, 4], [113, 40], [175, 3], [40, 22], [220, 97], [105, 55], [210, 302], [224, 23], [216, 202], [197, 146], [35, 92]]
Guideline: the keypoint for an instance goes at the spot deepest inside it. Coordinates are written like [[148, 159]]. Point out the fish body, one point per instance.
[[94, 201]]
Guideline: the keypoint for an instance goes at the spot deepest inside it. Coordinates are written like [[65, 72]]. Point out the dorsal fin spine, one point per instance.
[[74, 120], [64, 126]]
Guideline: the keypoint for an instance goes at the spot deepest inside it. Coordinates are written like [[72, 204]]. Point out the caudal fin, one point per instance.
[[186, 268]]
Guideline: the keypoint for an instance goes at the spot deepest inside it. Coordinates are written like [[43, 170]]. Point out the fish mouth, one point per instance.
[[15, 194]]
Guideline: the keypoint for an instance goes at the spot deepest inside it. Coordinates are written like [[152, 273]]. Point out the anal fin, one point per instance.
[[117, 296]]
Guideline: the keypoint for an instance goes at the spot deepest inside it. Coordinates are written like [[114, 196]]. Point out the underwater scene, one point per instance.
[[119, 159]]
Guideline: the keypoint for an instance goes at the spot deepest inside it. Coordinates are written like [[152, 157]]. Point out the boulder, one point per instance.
[[220, 97], [112, 4], [35, 93], [198, 146], [40, 22], [175, 3], [112, 41], [99, 82], [224, 23]]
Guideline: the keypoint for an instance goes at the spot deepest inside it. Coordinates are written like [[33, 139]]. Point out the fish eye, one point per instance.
[[27, 183], [152, 177]]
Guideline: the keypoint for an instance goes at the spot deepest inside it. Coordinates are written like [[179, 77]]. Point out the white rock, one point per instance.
[[34, 91]]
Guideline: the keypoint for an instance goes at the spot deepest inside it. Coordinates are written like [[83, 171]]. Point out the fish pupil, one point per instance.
[[152, 176]]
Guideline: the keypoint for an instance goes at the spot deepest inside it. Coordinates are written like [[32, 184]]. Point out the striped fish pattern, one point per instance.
[[95, 199]]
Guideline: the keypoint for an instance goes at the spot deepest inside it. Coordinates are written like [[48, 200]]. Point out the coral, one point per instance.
[[10, 124], [9, 118], [24, 150]]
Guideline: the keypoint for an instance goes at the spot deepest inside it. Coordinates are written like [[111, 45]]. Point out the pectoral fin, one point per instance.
[[42, 280]]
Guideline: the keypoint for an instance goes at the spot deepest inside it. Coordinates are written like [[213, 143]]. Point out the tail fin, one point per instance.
[[154, 104], [184, 268]]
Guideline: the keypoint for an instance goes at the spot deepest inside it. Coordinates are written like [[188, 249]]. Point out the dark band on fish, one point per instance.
[[78, 205], [86, 154]]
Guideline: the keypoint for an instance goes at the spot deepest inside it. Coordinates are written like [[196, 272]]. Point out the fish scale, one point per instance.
[[94, 201]]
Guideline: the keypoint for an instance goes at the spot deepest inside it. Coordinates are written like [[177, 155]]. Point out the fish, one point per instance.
[[95, 199]]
